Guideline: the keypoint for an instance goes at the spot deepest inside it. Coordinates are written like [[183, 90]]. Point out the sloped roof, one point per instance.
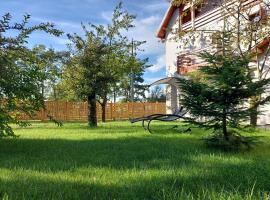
[[165, 22]]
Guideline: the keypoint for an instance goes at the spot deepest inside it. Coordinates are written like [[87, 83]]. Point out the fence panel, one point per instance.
[[78, 111]]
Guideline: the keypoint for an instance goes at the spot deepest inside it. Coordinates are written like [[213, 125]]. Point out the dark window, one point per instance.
[[186, 16], [183, 63]]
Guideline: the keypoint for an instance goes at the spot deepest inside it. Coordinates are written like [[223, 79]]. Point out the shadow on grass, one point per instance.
[[177, 162], [155, 187], [219, 179], [120, 153]]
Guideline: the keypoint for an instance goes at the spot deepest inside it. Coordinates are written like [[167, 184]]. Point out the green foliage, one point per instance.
[[50, 62], [101, 56], [21, 76], [135, 72], [4, 196], [235, 142], [96, 63], [183, 2], [222, 100], [102, 60]]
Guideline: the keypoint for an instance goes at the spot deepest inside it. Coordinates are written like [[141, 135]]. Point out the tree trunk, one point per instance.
[[224, 125], [103, 104], [254, 116], [92, 110], [114, 97], [43, 89], [254, 111], [114, 101]]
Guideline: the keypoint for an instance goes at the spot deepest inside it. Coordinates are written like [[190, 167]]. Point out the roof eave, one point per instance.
[[165, 22]]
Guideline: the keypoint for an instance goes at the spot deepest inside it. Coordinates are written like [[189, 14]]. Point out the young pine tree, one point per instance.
[[220, 95]]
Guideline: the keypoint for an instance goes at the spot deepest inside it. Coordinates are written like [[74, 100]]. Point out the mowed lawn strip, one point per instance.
[[122, 161]]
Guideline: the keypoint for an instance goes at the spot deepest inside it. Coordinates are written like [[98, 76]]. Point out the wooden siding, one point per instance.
[[216, 14]]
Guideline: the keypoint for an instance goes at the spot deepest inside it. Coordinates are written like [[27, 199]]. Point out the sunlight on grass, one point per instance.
[[122, 161]]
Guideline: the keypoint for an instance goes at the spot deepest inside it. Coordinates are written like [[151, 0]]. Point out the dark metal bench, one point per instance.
[[178, 114]]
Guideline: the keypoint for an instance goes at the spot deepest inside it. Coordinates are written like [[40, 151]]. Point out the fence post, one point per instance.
[[143, 111], [111, 110], [66, 107], [132, 104], [43, 114]]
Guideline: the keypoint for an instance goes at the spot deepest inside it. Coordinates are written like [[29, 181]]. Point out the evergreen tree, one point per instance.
[[220, 95], [125, 86]]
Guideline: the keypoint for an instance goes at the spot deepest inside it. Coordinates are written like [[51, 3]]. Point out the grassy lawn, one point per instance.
[[122, 161]]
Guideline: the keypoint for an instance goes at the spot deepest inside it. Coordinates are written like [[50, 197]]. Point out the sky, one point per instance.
[[68, 15]]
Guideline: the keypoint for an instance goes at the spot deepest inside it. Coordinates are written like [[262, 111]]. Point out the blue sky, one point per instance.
[[68, 15]]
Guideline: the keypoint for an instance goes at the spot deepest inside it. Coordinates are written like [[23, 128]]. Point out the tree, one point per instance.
[[100, 61], [85, 70], [247, 29], [121, 62], [131, 86], [63, 90], [50, 62], [157, 95], [221, 93], [20, 75]]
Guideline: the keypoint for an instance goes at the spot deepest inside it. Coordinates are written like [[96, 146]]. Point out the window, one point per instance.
[[184, 62], [186, 15], [203, 7]]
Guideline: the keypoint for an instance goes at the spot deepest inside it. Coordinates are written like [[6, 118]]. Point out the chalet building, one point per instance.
[[181, 53]]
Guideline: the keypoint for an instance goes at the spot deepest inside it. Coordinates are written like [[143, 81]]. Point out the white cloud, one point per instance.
[[107, 15], [61, 40], [150, 20], [58, 23], [156, 6], [145, 30], [159, 65]]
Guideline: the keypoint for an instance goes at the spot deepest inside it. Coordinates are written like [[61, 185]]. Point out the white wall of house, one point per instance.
[[265, 117], [194, 45], [171, 46]]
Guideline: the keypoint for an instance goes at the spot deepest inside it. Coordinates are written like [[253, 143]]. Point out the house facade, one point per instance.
[[182, 52]]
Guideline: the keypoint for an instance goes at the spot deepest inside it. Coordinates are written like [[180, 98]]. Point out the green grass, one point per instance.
[[122, 161]]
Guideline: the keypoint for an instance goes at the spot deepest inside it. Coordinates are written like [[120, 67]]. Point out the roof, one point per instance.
[[168, 16], [166, 20], [169, 80], [260, 47]]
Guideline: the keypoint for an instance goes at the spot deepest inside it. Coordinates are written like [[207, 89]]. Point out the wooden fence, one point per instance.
[[78, 111]]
